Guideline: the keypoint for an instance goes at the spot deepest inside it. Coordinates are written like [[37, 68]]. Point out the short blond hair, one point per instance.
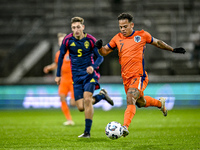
[[77, 19], [60, 34]]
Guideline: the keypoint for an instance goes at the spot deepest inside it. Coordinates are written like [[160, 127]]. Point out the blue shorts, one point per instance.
[[88, 85]]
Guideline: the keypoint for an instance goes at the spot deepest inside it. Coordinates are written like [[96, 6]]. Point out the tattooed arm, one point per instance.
[[161, 44]]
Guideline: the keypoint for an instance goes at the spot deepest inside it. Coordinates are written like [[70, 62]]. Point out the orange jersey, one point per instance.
[[66, 85], [131, 52], [66, 67]]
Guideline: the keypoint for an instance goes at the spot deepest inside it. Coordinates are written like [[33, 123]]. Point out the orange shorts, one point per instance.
[[139, 83], [66, 87]]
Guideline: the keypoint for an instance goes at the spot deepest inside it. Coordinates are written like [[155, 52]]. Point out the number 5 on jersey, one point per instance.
[[79, 52]]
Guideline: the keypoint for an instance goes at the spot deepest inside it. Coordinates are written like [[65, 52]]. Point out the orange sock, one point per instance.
[[152, 102], [65, 110], [129, 114]]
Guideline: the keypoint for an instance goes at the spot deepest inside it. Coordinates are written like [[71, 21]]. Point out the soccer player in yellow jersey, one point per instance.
[[131, 45]]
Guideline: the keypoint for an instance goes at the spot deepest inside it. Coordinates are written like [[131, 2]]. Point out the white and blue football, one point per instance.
[[114, 130]]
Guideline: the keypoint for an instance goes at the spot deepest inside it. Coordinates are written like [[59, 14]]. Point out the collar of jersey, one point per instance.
[[83, 37], [132, 33]]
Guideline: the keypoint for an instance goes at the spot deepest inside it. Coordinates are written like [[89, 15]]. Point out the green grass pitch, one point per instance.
[[43, 129]]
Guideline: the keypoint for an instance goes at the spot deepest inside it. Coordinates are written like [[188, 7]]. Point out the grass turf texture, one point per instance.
[[43, 129]]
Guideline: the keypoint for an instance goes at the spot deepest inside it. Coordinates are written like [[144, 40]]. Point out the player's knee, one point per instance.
[[132, 96], [135, 93], [140, 104], [131, 100], [62, 98], [87, 101]]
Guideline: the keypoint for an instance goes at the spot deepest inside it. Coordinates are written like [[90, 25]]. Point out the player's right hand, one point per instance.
[[57, 79], [90, 70], [179, 50], [99, 43]]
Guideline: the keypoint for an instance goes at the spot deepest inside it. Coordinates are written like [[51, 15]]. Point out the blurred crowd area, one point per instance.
[[28, 33]]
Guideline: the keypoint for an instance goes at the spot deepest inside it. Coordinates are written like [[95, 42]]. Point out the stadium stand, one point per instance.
[[23, 24]]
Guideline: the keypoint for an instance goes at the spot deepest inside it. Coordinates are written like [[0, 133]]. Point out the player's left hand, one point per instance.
[[90, 70], [179, 50], [57, 79]]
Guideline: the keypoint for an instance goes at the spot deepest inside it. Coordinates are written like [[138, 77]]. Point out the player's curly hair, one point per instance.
[[77, 19], [125, 16]]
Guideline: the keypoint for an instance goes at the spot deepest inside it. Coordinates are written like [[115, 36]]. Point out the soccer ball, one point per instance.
[[114, 130]]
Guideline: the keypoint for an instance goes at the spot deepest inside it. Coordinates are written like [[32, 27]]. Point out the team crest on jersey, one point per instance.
[[86, 44], [137, 39]]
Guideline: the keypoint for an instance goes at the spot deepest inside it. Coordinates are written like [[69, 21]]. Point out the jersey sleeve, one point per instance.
[[63, 50], [148, 36], [112, 44], [99, 59]]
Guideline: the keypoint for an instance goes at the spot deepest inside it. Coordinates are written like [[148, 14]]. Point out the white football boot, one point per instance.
[[163, 108], [69, 123], [125, 131]]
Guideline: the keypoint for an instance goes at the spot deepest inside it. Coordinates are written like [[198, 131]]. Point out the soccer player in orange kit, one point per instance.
[[131, 46], [66, 85]]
